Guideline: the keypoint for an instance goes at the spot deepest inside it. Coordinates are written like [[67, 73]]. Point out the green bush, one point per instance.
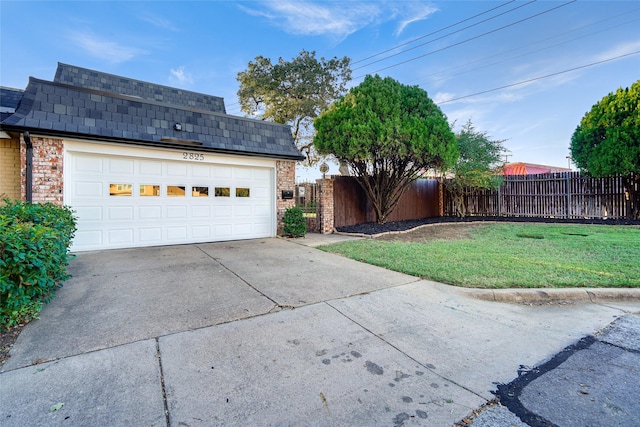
[[294, 223], [33, 257]]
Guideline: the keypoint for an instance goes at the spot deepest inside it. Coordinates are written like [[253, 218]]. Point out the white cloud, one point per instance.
[[619, 50], [442, 97], [160, 22], [108, 50], [308, 18], [415, 13], [179, 77]]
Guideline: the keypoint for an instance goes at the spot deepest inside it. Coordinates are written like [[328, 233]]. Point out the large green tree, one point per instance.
[[477, 167], [388, 134], [607, 141], [293, 92]]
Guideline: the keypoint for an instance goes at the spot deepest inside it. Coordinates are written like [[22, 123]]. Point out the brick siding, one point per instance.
[[47, 175], [325, 207], [285, 180]]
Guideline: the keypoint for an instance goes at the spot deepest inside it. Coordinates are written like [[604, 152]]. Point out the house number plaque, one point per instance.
[[198, 157]]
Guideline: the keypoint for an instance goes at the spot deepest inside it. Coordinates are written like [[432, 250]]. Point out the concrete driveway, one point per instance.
[[271, 332]]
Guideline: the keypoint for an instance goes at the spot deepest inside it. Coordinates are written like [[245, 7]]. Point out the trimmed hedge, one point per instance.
[[34, 241], [295, 225]]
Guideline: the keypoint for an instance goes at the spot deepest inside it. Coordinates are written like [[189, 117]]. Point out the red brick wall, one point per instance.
[[47, 184], [326, 206], [285, 180]]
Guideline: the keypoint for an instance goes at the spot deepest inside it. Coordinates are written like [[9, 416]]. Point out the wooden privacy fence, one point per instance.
[[558, 195], [351, 206]]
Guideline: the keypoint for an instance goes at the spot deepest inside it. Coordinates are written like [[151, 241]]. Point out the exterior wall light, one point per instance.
[[177, 127]]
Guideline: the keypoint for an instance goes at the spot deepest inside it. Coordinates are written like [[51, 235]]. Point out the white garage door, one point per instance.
[[147, 197]]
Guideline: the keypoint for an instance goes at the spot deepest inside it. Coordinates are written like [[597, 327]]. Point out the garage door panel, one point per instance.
[[120, 236], [120, 213], [89, 239], [242, 211], [177, 233], [151, 234], [201, 171], [150, 168], [177, 212], [89, 213], [201, 211], [121, 166], [201, 231], [150, 212], [90, 164], [176, 169], [85, 189], [142, 213]]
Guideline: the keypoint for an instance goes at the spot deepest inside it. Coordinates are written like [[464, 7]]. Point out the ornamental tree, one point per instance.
[[388, 134], [607, 141], [293, 92], [477, 166]]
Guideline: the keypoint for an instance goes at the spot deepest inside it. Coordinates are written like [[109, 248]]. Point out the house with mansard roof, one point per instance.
[[143, 164]]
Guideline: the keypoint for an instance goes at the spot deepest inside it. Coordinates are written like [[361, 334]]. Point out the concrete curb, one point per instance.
[[532, 296]]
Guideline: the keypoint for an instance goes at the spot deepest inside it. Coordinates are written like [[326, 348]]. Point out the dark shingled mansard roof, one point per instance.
[[99, 106], [9, 99]]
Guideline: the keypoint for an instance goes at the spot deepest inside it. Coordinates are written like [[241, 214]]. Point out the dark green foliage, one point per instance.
[[388, 134], [607, 141], [33, 257], [294, 223], [293, 92], [477, 166]]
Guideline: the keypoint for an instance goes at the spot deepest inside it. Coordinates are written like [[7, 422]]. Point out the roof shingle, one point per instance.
[[75, 105]]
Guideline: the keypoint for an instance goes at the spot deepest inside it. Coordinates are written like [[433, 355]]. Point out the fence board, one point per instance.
[[351, 205], [556, 195]]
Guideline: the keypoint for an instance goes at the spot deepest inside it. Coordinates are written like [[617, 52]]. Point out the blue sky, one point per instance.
[[526, 48]]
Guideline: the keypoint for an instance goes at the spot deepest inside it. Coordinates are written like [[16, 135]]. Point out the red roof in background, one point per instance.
[[522, 168]]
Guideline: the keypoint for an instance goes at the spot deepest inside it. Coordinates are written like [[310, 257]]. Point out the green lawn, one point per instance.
[[514, 255]]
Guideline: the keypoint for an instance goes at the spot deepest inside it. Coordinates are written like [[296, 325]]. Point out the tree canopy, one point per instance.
[[388, 134], [607, 141], [477, 167], [293, 92]]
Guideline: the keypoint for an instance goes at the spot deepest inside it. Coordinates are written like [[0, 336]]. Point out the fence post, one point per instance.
[[499, 206]]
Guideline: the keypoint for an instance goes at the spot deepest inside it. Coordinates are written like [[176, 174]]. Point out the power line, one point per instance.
[[539, 78], [470, 39], [524, 54], [444, 36], [432, 33]]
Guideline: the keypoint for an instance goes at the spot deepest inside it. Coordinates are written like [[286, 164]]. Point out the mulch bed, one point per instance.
[[372, 228]]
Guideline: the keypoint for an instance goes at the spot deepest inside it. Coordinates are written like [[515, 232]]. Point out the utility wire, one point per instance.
[[539, 78], [444, 36], [432, 33], [448, 76], [470, 39]]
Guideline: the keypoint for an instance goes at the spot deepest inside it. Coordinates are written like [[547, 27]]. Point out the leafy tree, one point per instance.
[[293, 92], [387, 133], [607, 141], [476, 168]]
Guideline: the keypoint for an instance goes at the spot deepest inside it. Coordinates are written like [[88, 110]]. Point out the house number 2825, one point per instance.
[[193, 156]]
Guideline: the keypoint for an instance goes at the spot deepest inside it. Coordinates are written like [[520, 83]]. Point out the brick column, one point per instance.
[[285, 180], [48, 156], [325, 205]]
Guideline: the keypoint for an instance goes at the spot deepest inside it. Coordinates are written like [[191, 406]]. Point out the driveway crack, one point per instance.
[[277, 304], [164, 390]]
